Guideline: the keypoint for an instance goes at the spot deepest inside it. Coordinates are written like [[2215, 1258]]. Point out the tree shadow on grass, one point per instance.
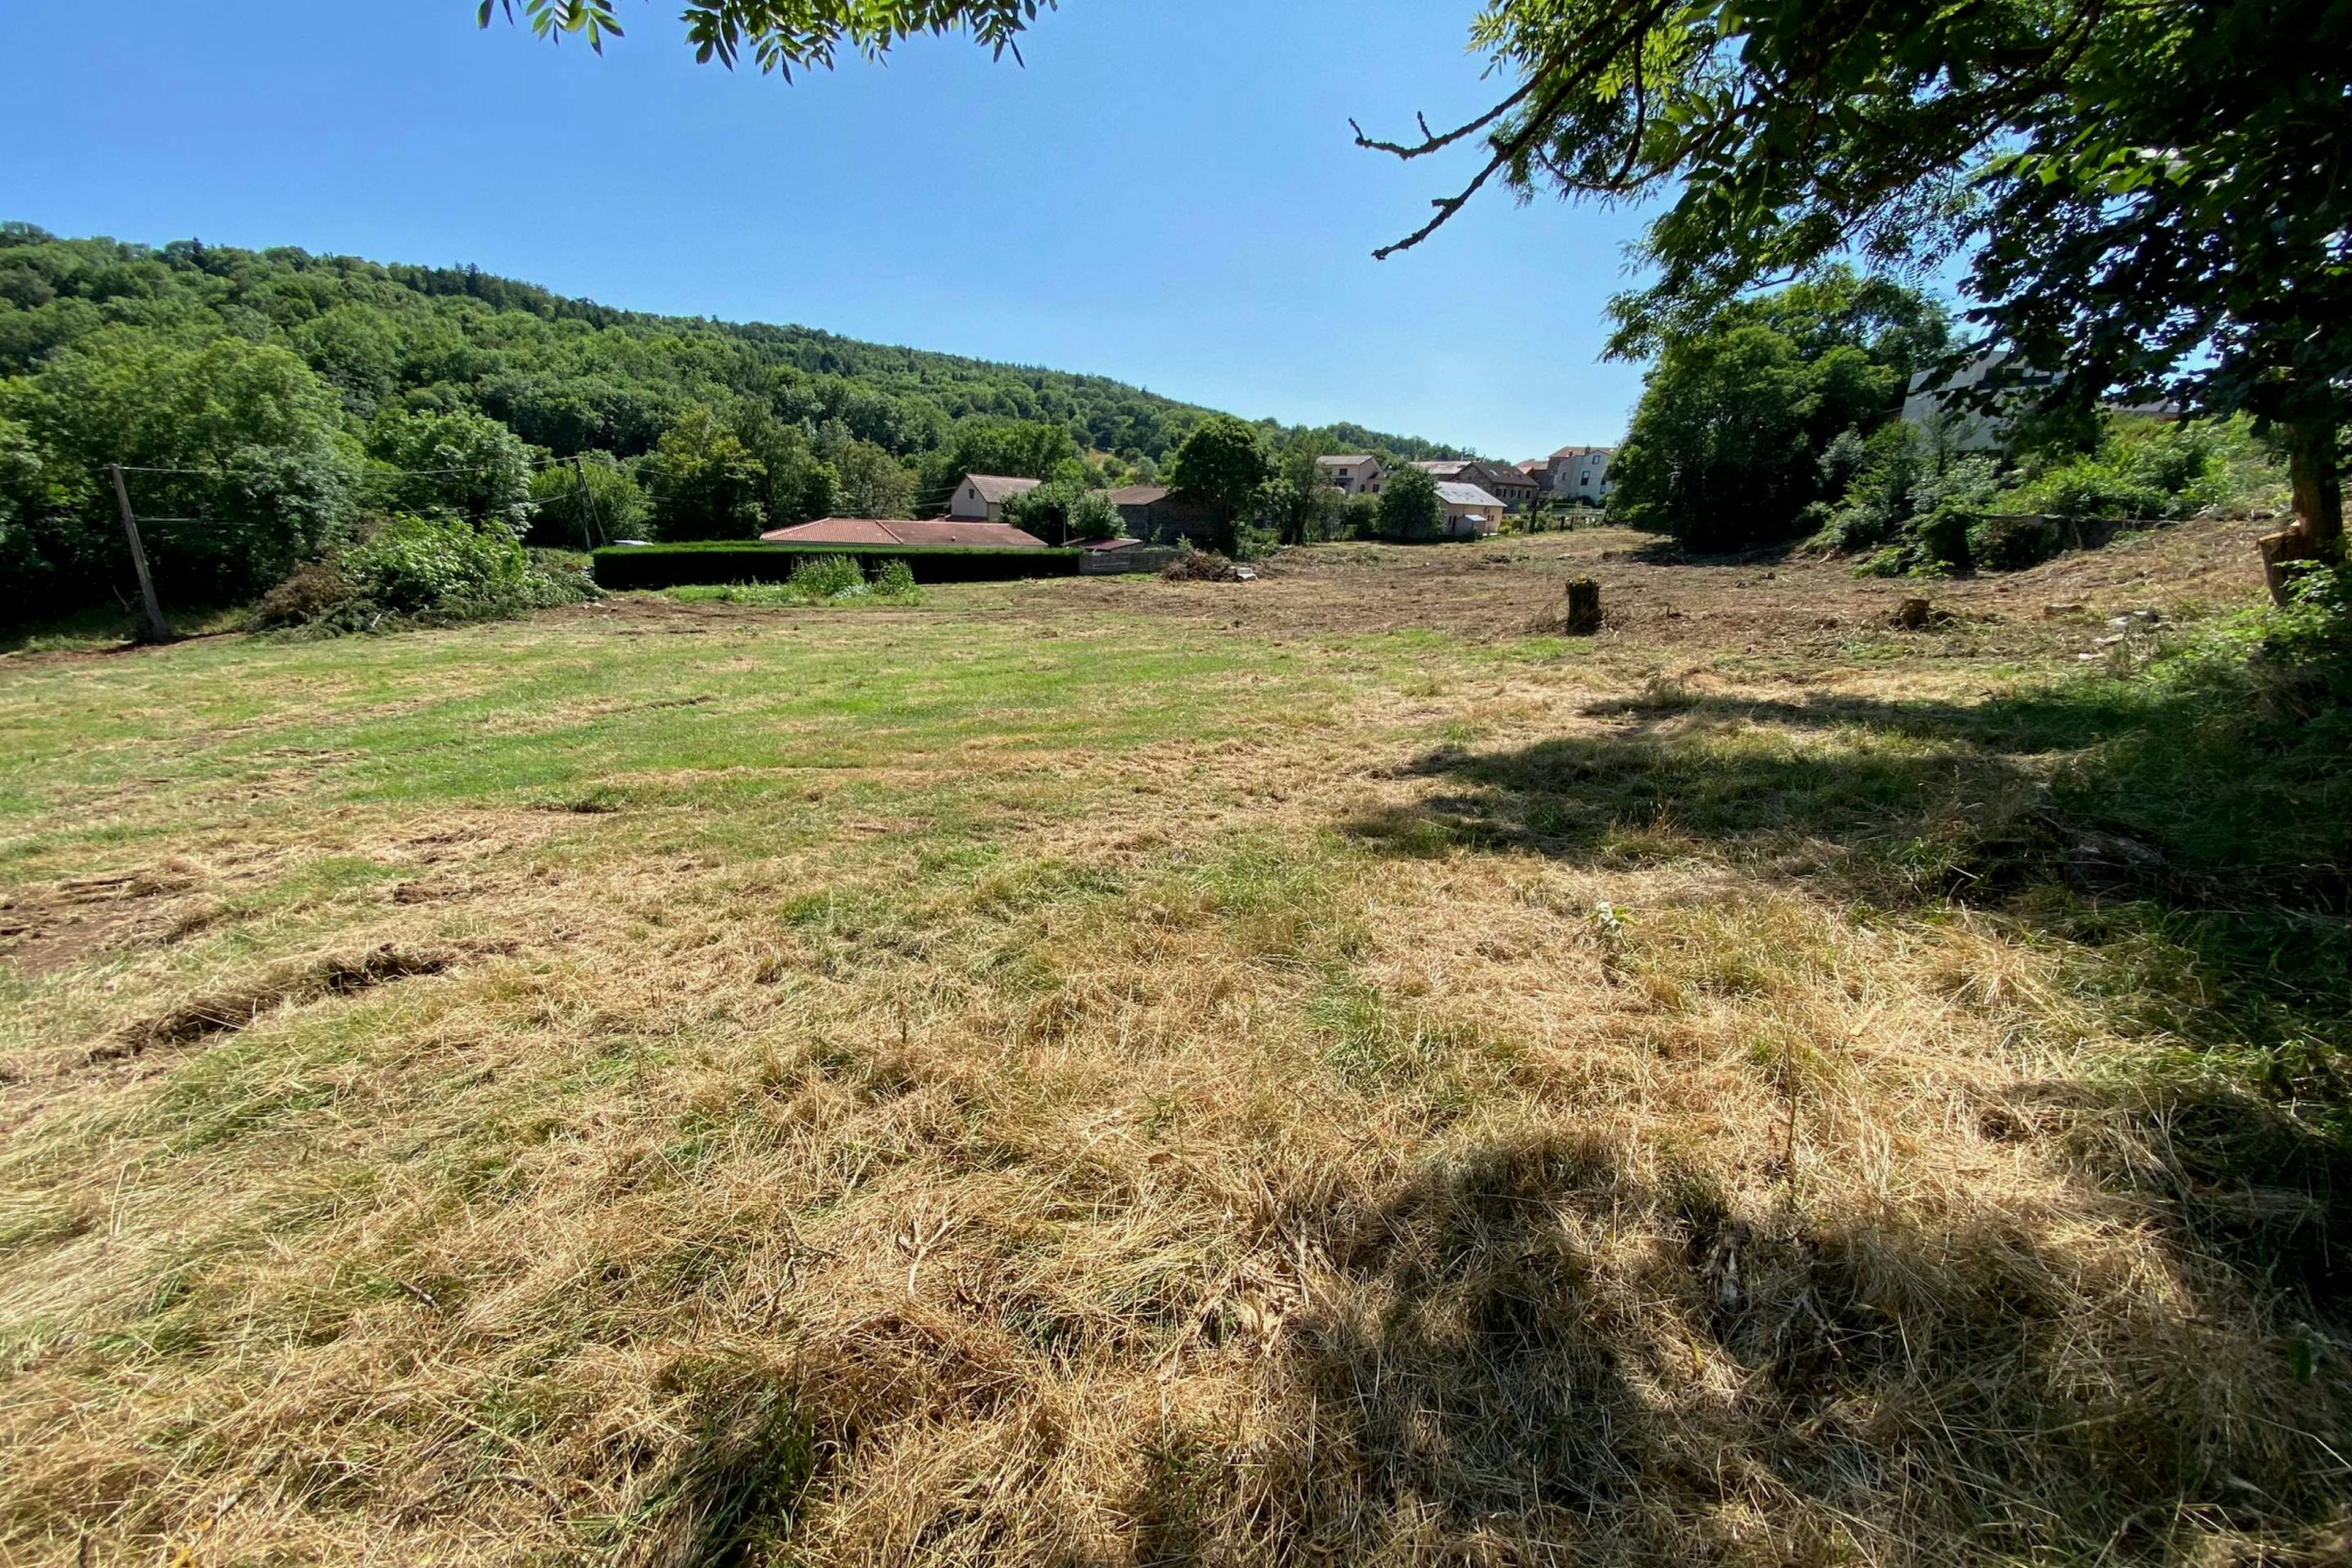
[[1664, 550], [1534, 1353], [2193, 858]]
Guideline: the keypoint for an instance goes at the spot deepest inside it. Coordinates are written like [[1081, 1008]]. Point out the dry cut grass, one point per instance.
[[1256, 1149]]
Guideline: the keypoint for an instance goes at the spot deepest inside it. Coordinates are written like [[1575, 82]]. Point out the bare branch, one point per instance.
[[1430, 141], [1509, 150]]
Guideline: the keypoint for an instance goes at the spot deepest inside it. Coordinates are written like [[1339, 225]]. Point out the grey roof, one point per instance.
[[1466, 495], [995, 488], [1349, 460], [1137, 495]]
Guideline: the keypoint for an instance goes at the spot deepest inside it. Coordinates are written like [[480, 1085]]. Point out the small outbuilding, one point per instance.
[[982, 497], [1470, 512], [1157, 515]]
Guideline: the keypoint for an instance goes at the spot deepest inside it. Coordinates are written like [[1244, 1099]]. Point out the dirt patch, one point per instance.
[[45, 929], [1778, 604], [229, 1010]]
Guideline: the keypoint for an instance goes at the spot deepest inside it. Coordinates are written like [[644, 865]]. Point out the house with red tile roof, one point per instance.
[[886, 531]]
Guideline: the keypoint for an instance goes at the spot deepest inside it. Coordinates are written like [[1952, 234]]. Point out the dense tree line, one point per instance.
[[1777, 418], [292, 397], [1727, 446]]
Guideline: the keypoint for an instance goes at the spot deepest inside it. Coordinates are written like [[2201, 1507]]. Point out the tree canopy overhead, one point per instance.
[[2149, 197], [782, 36]]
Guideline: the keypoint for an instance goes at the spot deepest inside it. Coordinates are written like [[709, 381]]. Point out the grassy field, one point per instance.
[[1112, 1071]]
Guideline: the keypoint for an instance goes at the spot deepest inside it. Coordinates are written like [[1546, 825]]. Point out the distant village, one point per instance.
[[1476, 494]]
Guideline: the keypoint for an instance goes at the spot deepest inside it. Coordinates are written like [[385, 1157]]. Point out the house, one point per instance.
[[1358, 474], [902, 531], [1538, 474], [1943, 407], [1581, 474], [1505, 483], [983, 496], [1470, 511], [1157, 515]]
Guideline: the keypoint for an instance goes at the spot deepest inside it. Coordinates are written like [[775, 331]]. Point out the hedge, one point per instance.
[[625, 566]]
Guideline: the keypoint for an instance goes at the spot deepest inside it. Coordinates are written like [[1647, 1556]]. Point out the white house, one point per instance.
[[1470, 511], [1501, 480], [1358, 474], [982, 497], [1580, 473]]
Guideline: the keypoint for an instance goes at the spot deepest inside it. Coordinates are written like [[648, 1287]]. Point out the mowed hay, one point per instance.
[[1252, 1233], [1191, 1177]]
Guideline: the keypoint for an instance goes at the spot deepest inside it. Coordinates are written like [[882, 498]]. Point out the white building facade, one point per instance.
[[1581, 474], [1357, 474], [982, 497]]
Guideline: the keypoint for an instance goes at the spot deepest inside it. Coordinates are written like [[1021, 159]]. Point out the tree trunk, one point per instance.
[[2317, 483]]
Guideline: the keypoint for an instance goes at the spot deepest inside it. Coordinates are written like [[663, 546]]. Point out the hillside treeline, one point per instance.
[[275, 400]]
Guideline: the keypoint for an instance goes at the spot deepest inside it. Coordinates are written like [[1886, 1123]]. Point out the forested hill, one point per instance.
[[269, 405], [567, 375]]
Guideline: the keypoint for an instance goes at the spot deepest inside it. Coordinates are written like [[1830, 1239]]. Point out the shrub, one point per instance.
[[553, 577], [2142, 470], [828, 576], [896, 580], [1912, 507], [420, 571], [419, 566], [311, 593], [830, 580], [2011, 542], [1093, 516]]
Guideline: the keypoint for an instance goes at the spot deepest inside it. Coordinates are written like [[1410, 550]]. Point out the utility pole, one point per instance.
[[587, 508], [157, 629]]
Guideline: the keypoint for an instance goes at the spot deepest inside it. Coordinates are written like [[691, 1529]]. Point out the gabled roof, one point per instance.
[[994, 487], [1445, 467], [1583, 452], [902, 530], [1466, 495], [1137, 495], [1347, 461]]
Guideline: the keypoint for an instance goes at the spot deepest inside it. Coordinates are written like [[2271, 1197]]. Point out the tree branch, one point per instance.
[[1430, 142], [1509, 150]]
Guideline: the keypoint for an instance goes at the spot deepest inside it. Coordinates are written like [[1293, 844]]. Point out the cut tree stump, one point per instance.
[[1912, 614], [1583, 606], [2278, 551]]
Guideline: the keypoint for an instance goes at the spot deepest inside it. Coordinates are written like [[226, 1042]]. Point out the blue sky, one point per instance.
[[1166, 193]]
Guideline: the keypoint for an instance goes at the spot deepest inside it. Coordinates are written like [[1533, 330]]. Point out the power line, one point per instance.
[[381, 469]]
